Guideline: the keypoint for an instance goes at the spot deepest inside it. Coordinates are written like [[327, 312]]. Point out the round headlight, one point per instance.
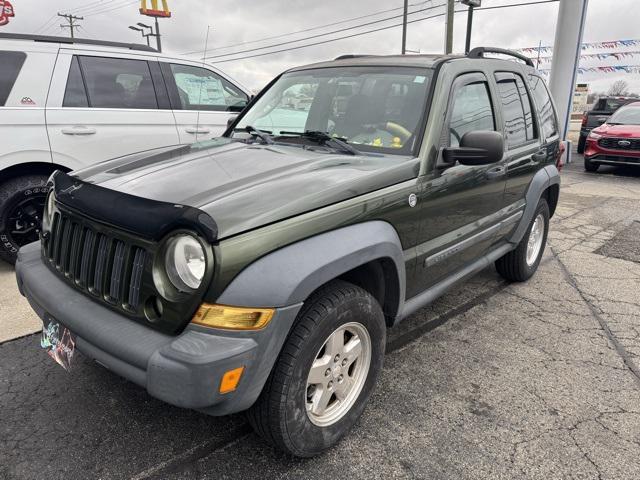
[[185, 262]]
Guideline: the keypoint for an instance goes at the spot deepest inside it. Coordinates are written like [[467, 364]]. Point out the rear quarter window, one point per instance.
[[10, 65], [544, 106]]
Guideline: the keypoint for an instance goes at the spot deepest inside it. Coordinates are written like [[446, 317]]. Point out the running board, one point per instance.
[[425, 298]]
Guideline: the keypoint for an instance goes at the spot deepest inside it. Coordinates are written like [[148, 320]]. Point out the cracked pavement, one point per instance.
[[533, 380]]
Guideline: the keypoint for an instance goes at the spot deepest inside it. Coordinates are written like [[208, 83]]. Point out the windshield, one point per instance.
[[626, 116], [372, 108]]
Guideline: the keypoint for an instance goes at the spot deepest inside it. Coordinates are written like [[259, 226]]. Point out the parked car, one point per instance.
[[261, 270], [616, 142], [602, 109], [67, 104]]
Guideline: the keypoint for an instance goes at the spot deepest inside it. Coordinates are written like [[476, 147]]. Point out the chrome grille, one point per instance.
[[99, 264]]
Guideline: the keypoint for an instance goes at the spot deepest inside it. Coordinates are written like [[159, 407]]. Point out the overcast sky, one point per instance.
[[236, 21]]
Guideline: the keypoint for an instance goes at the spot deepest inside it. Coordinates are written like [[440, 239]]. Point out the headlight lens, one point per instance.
[[594, 135], [185, 262]]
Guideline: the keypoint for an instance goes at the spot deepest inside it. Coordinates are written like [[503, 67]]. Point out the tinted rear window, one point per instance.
[[10, 65], [118, 83], [546, 114]]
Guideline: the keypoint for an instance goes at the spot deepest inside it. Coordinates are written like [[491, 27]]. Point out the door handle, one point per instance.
[[197, 130], [539, 156], [78, 130], [496, 172]]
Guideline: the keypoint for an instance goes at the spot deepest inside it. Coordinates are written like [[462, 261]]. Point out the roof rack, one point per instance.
[[351, 55], [82, 41], [479, 52]]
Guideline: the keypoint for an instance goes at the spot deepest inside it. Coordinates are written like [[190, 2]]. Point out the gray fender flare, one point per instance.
[[543, 179], [289, 275]]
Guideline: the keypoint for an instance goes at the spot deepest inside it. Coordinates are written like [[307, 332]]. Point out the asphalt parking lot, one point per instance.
[[533, 380]]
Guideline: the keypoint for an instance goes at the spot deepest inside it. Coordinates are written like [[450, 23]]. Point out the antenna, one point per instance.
[[206, 41]]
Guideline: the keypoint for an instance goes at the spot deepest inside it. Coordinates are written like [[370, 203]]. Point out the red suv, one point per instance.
[[616, 142]]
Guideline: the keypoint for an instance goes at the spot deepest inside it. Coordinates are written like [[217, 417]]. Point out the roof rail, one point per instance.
[[479, 52], [82, 41], [351, 55]]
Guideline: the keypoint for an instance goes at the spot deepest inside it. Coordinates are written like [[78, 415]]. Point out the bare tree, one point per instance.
[[619, 88]]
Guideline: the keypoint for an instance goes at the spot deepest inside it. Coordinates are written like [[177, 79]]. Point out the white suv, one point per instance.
[[66, 104]]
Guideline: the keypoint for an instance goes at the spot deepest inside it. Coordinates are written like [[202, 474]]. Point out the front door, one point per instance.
[[202, 100], [462, 203]]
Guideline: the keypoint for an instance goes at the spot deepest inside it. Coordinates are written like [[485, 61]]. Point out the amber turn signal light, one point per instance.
[[230, 380], [232, 318]]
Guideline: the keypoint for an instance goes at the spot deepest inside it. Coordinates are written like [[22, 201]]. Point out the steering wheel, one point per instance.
[[397, 130]]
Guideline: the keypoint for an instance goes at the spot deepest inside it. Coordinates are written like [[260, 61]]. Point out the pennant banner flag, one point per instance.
[[604, 69], [597, 56], [586, 46]]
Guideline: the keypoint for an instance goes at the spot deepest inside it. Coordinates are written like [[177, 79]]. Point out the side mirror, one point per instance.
[[231, 119], [481, 147]]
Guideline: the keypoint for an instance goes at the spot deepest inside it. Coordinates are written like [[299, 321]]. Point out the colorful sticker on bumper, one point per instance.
[[59, 343]]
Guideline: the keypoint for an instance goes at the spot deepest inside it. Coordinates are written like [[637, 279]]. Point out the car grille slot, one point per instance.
[[620, 143], [107, 267]]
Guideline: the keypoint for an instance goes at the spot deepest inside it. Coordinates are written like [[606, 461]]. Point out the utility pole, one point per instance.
[[71, 25], [471, 4], [448, 31], [404, 27]]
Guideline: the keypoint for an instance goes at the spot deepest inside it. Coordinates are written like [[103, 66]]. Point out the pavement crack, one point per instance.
[[626, 356]]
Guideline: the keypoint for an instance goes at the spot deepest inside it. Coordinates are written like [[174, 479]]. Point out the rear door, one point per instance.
[[462, 204], [202, 100], [103, 107], [525, 154]]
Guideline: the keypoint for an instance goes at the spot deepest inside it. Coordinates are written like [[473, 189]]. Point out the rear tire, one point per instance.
[[318, 389], [590, 166], [520, 264], [22, 202]]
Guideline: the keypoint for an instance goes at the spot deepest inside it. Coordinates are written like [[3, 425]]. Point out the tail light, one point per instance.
[[584, 119], [560, 157]]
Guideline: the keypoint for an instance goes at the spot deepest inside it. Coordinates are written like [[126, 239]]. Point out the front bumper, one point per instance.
[[595, 153], [183, 370]]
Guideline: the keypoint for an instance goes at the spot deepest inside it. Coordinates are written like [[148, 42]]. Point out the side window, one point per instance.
[[513, 112], [11, 63], [118, 83], [548, 123], [471, 110], [202, 89], [526, 105], [75, 95]]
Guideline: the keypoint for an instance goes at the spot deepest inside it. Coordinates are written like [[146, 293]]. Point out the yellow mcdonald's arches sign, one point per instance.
[[154, 11]]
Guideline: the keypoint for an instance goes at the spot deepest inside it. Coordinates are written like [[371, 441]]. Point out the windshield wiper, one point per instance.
[[263, 135], [326, 139]]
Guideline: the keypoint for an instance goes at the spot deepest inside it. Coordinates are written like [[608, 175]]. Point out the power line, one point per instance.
[[537, 2], [77, 9], [324, 34], [318, 27], [112, 8]]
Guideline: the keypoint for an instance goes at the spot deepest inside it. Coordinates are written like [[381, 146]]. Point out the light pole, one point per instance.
[[404, 26], [145, 35], [152, 33], [471, 4]]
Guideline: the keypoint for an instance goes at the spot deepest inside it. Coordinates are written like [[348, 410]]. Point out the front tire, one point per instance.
[[582, 140], [22, 202], [325, 373], [590, 166], [520, 264]]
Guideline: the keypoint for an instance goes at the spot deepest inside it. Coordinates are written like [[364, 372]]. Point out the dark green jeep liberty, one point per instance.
[[260, 271]]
